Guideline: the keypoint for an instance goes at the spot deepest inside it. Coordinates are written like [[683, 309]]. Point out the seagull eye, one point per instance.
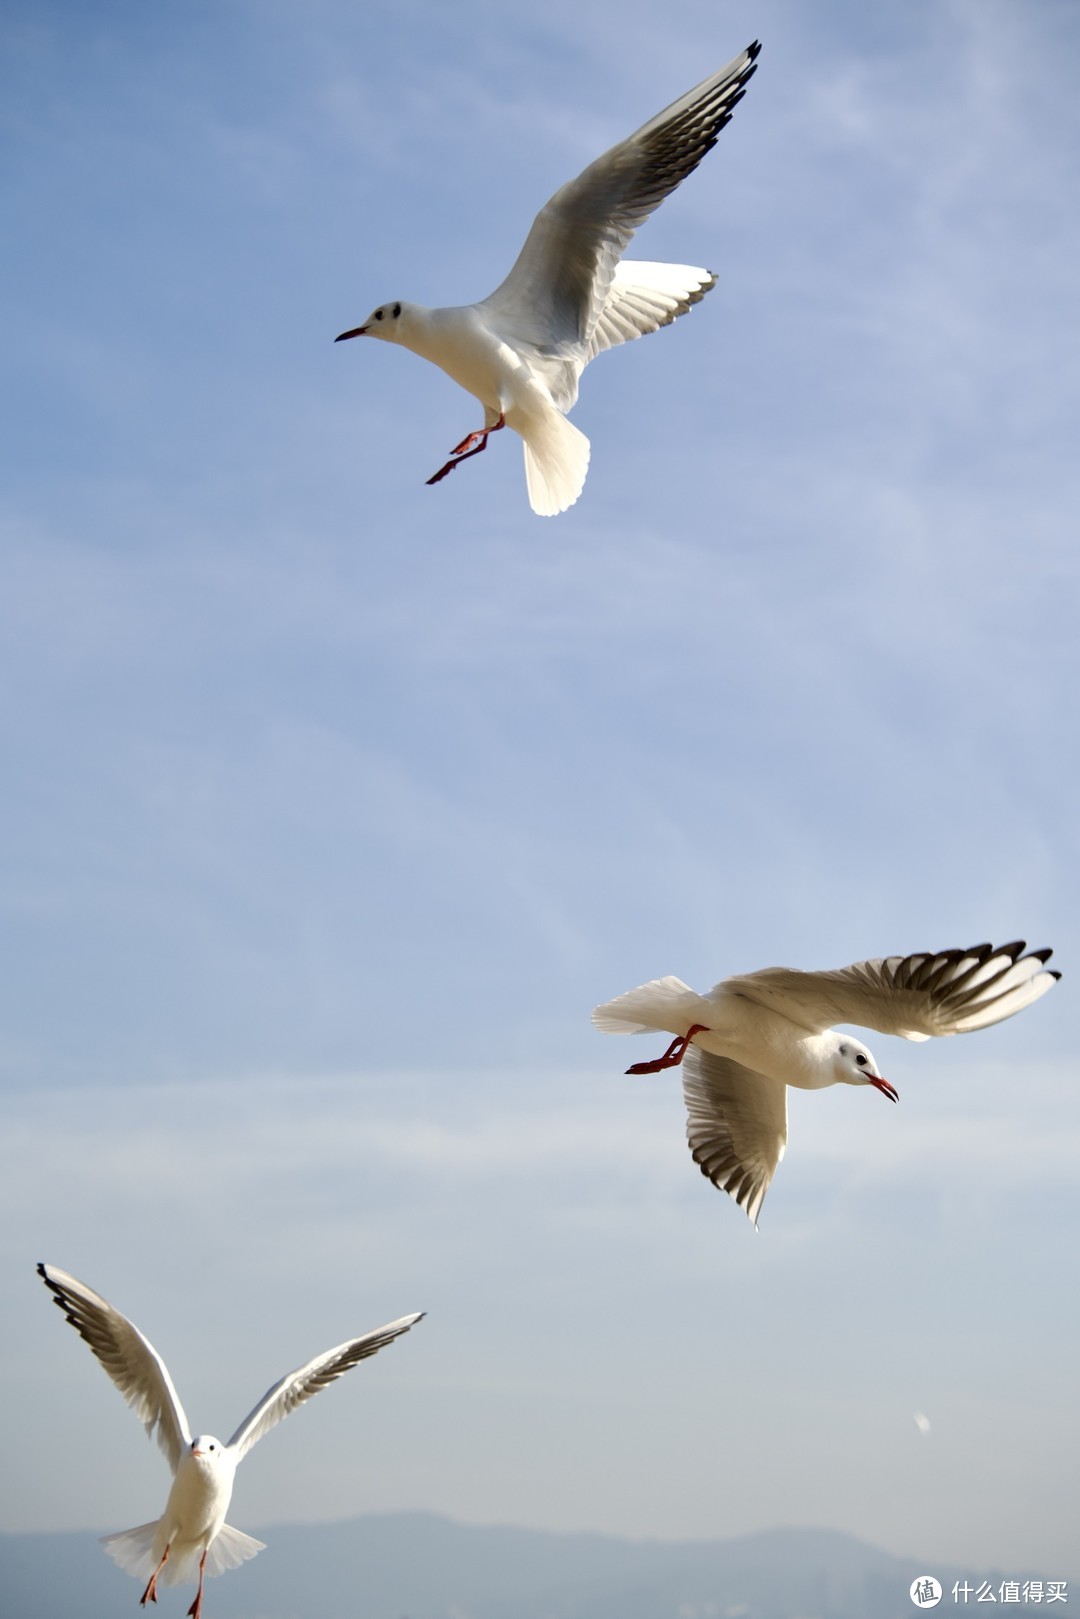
[[378, 314], [860, 1059], [397, 311]]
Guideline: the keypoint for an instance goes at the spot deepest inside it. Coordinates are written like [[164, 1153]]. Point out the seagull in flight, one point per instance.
[[752, 1036], [571, 294], [191, 1538]]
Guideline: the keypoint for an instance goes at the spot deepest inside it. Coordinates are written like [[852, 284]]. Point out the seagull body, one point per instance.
[[191, 1538], [570, 294], [752, 1036], [191, 1529]]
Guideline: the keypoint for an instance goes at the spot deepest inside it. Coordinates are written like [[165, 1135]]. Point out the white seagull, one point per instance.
[[522, 350], [191, 1538], [752, 1036]]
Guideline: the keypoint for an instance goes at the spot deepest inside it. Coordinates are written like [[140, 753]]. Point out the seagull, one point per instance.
[[571, 294], [752, 1036], [191, 1536]]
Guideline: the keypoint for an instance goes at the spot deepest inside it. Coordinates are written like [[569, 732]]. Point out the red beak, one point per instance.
[[357, 331], [884, 1087]]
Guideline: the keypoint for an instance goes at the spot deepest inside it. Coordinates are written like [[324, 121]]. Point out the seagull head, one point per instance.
[[853, 1064], [387, 322], [207, 1450]]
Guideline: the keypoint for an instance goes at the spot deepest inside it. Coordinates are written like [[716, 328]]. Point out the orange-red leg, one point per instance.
[[468, 447], [150, 1594], [481, 432], [196, 1607], [674, 1054]]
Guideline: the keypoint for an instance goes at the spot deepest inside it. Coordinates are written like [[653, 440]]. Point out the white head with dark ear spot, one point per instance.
[[387, 322], [853, 1064]]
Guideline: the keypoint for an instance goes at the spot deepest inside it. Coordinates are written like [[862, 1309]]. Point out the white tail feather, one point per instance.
[[133, 1549], [556, 461], [138, 1552], [231, 1547], [666, 1003]]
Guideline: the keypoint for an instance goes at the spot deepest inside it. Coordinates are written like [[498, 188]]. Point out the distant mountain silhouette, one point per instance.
[[416, 1565]]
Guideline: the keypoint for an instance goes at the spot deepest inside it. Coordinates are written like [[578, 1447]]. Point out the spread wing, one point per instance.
[[643, 297], [296, 1387], [736, 1125], [560, 283], [130, 1360], [950, 992]]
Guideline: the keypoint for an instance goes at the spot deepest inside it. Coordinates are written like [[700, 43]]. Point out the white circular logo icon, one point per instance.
[[925, 1591]]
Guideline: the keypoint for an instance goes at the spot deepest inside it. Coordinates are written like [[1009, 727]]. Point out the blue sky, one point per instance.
[[336, 801]]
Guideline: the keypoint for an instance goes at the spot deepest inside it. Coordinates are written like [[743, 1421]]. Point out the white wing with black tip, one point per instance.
[[563, 275], [916, 996], [296, 1387], [130, 1360], [643, 297], [736, 1125]]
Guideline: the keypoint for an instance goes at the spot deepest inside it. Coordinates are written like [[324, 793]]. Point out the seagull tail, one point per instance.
[[556, 461], [134, 1549], [138, 1552], [666, 1003], [230, 1548]]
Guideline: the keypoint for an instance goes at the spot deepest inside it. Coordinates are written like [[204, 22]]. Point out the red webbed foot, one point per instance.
[[468, 446], [674, 1054]]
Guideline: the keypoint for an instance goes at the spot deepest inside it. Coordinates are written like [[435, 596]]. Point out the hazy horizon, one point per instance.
[[427, 1564]]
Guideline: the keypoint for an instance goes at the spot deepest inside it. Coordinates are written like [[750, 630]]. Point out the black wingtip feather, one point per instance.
[[54, 1287]]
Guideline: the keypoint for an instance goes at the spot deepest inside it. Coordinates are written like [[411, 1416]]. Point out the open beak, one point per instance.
[[357, 331], [884, 1087]]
